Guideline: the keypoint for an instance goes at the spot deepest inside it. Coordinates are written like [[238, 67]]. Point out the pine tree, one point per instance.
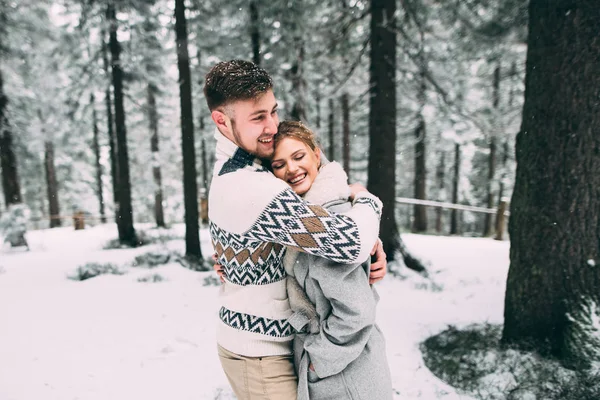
[[190, 186], [124, 211], [553, 283]]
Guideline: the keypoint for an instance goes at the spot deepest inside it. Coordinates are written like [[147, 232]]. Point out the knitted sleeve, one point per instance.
[[290, 221]]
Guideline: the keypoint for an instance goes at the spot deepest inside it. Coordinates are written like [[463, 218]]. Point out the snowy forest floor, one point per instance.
[[116, 337]]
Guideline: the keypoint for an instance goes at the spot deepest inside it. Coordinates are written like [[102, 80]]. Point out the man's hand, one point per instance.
[[379, 266], [356, 188], [218, 268]]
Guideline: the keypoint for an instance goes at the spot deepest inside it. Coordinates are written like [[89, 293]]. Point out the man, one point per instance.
[[253, 218]]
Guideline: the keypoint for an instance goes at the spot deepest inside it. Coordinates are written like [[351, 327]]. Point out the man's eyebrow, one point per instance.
[[263, 111]]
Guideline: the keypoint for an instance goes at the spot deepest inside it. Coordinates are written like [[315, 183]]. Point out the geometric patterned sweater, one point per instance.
[[254, 217]]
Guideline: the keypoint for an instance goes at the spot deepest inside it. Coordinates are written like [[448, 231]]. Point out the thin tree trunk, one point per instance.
[[98, 165], [8, 159], [299, 83], [454, 213], [346, 131], [488, 229], [204, 158], [420, 182], [441, 176], [201, 126], [110, 128], [255, 32], [51, 185], [553, 286], [318, 106], [190, 186], [505, 153], [159, 214], [330, 130], [124, 210], [420, 211]]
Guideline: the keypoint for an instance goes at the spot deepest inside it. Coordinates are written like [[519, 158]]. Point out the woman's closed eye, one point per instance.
[[277, 166]]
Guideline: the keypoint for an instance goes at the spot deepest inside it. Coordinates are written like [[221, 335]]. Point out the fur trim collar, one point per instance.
[[331, 184]]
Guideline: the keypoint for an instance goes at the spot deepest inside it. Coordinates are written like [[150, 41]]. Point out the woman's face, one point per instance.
[[295, 163]]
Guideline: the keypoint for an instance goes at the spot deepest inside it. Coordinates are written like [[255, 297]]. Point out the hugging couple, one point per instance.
[[292, 243]]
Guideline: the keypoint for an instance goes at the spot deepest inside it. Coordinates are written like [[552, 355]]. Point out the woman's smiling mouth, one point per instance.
[[297, 179]]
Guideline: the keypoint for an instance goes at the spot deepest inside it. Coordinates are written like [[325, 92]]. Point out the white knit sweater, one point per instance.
[[253, 218]]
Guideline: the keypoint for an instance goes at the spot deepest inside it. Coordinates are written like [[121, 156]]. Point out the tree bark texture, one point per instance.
[[555, 208], [8, 159], [98, 165], [382, 119], [124, 210], [159, 215], [51, 185], [190, 186]]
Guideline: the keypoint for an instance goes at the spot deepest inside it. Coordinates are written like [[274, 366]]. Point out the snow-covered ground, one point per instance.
[[113, 337]]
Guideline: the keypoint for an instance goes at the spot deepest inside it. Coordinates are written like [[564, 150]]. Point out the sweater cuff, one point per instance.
[[298, 321], [370, 200]]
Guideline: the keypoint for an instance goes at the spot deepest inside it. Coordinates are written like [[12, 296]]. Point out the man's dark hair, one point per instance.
[[234, 80]]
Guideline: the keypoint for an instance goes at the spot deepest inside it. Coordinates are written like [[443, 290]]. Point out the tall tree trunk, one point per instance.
[[98, 165], [553, 285], [159, 214], [110, 128], [190, 186], [330, 129], [441, 176], [8, 159], [124, 210], [382, 119], [204, 158], [505, 153], [201, 126], [298, 111], [51, 185], [456, 178], [420, 184], [488, 229], [255, 32], [346, 131], [318, 106]]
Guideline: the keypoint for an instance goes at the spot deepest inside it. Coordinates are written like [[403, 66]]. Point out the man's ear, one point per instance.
[[221, 120]]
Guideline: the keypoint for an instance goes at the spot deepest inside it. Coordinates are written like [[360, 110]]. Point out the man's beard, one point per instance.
[[238, 137]]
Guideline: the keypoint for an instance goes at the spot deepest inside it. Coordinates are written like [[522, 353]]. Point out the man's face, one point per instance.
[[253, 123]]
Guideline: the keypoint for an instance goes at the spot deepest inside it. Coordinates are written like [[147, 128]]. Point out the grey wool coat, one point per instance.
[[345, 346]]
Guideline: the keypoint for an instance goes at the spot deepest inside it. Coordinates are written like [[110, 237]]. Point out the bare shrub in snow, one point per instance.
[[13, 225], [144, 238], [91, 270], [152, 259], [152, 278]]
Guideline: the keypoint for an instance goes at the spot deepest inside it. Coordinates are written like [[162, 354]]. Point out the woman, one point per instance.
[[343, 356]]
